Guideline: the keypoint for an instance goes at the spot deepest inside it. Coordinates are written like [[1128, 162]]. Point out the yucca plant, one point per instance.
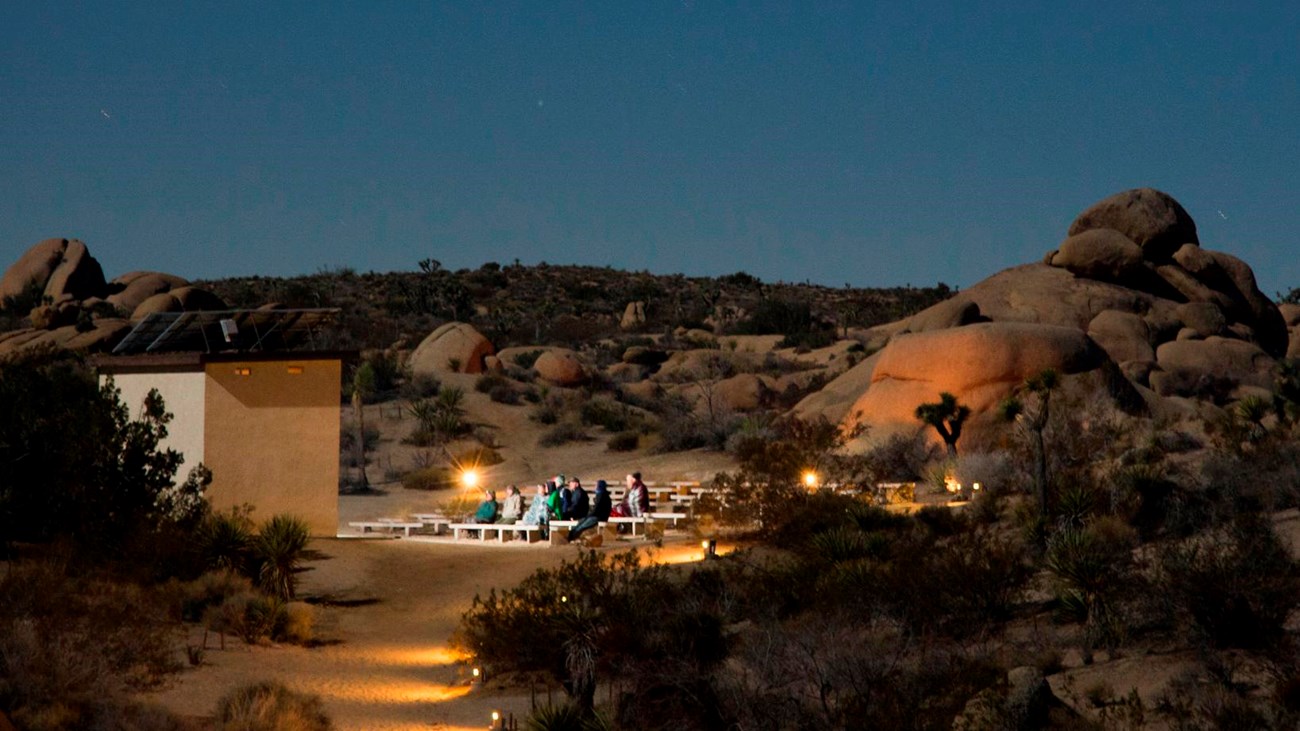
[[567, 717], [224, 541], [278, 550]]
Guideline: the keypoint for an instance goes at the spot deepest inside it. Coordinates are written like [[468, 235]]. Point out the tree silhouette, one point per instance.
[[947, 417]]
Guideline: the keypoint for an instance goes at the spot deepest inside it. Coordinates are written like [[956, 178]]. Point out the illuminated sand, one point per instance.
[[392, 669]]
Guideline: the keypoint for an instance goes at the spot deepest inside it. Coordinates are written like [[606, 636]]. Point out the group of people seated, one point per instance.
[[561, 500]]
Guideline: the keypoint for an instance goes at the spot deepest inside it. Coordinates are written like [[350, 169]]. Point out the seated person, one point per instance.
[[637, 500], [555, 499], [487, 510], [538, 511], [513, 508], [576, 503], [599, 512]]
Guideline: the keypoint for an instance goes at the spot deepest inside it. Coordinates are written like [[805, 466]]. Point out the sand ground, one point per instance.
[[386, 664]]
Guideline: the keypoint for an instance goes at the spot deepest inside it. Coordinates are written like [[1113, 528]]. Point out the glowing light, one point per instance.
[[564, 599], [477, 672], [810, 479], [975, 487], [414, 656], [469, 478], [951, 484]]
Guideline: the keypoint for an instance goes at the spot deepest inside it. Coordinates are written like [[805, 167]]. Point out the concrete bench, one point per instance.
[[531, 533], [674, 517], [386, 524], [437, 521]]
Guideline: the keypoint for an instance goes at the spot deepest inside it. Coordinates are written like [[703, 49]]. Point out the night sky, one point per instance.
[[872, 144]]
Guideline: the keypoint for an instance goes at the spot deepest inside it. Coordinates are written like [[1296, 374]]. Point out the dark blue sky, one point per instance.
[[872, 144]]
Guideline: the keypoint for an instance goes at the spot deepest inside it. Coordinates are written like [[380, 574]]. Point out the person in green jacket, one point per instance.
[[487, 510], [555, 502]]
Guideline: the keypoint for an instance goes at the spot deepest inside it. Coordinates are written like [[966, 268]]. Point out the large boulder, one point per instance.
[[455, 347], [181, 299], [58, 267], [742, 392], [1212, 367], [129, 290], [1123, 335], [980, 364], [560, 367], [1100, 253], [1151, 219], [952, 312]]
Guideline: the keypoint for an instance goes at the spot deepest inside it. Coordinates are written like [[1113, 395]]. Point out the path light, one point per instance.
[[476, 676], [469, 478], [810, 479], [975, 487], [710, 547], [496, 720], [951, 484]]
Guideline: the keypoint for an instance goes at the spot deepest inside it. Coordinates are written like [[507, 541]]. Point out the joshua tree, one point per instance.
[[947, 417], [1034, 422]]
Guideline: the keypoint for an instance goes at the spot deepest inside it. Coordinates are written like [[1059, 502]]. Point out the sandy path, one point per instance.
[[392, 669]]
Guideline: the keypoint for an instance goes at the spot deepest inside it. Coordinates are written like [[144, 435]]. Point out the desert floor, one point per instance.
[[388, 608]]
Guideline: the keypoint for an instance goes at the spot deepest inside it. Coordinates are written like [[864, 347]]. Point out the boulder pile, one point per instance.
[[68, 303], [1130, 288]]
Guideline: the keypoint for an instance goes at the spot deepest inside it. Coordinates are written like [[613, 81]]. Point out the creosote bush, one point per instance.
[[271, 707]]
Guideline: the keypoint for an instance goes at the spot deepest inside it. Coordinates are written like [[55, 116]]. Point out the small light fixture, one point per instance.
[[469, 478], [294, 370], [243, 371], [710, 547], [810, 479], [975, 487], [496, 720]]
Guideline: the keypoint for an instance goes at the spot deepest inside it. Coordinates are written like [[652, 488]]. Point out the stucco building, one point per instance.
[[251, 399]]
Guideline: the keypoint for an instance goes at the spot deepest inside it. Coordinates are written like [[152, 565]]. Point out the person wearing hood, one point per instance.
[[601, 506]]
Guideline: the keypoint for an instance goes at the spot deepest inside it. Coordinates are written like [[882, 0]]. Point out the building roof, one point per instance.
[[229, 332]]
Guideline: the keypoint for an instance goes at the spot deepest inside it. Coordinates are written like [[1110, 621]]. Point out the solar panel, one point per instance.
[[227, 331]]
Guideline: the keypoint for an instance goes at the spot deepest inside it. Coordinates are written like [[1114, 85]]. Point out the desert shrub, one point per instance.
[[563, 433], [70, 645], [899, 457], [488, 381], [270, 706], [348, 441], [940, 520], [505, 394], [299, 623], [527, 359], [212, 589], [548, 410], [258, 619], [1236, 583], [419, 386], [608, 413], [277, 553], [624, 441], [475, 457], [434, 477]]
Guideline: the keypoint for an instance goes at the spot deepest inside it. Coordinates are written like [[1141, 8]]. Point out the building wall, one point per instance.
[[273, 438], [183, 395]]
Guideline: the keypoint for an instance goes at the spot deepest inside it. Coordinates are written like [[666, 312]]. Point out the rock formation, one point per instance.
[[73, 307], [1130, 289]]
